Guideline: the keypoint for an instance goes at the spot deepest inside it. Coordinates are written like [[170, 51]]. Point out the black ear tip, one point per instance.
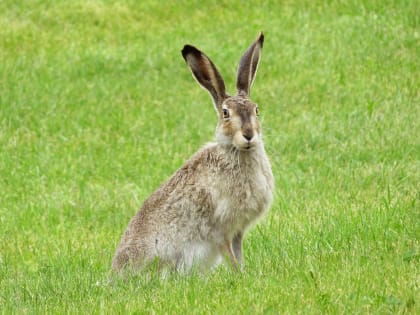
[[188, 49], [261, 38]]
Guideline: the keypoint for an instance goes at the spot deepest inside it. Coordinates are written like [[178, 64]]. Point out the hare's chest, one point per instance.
[[243, 199]]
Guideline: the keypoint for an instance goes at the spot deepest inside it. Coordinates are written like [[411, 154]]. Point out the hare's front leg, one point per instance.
[[227, 250], [233, 250], [237, 248]]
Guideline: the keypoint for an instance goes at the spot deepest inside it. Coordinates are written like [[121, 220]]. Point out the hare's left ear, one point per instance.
[[206, 73], [248, 66]]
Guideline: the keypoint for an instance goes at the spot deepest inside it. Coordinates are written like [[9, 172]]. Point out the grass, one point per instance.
[[97, 108]]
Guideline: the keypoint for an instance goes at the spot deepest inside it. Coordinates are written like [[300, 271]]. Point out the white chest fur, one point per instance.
[[246, 194]]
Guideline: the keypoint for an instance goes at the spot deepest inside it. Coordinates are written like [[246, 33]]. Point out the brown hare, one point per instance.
[[201, 214]]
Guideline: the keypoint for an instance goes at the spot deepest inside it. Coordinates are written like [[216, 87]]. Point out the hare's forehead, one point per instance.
[[238, 103]]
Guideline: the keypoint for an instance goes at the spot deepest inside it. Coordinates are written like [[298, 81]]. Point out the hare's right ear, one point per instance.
[[206, 74], [248, 66]]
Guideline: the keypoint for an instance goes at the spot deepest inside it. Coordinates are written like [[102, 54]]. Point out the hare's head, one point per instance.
[[238, 116]]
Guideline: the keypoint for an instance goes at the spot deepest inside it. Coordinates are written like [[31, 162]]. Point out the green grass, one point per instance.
[[97, 108]]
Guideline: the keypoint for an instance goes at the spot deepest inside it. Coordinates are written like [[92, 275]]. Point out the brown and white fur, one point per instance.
[[201, 214]]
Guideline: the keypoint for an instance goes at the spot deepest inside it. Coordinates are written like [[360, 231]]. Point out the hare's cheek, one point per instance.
[[228, 129], [258, 128], [256, 125], [239, 140]]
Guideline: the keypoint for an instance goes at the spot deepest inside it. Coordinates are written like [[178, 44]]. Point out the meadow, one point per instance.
[[98, 108]]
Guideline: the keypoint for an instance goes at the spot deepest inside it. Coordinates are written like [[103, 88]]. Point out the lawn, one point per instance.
[[98, 108]]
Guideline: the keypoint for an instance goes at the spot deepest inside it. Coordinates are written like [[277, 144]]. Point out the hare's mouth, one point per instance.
[[246, 147]]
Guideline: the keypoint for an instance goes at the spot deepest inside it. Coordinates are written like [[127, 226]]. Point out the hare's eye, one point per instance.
[[225, 113]]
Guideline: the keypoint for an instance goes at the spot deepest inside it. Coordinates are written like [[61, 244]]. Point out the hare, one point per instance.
[[198, 218]]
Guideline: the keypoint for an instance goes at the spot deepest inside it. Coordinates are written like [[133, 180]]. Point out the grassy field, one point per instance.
[[97, 108]]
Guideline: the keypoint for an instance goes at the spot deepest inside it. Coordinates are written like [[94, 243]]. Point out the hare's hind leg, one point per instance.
[[120, 260], [128, 255]]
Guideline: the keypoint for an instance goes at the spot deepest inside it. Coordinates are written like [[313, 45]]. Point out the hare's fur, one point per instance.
[[202, 212]]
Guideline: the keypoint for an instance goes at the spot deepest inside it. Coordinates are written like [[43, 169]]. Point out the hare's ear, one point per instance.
[[248, 66], [206, 74]]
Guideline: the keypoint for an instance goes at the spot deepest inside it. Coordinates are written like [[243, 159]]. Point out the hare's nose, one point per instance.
[[247, 132], [248, 136]]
